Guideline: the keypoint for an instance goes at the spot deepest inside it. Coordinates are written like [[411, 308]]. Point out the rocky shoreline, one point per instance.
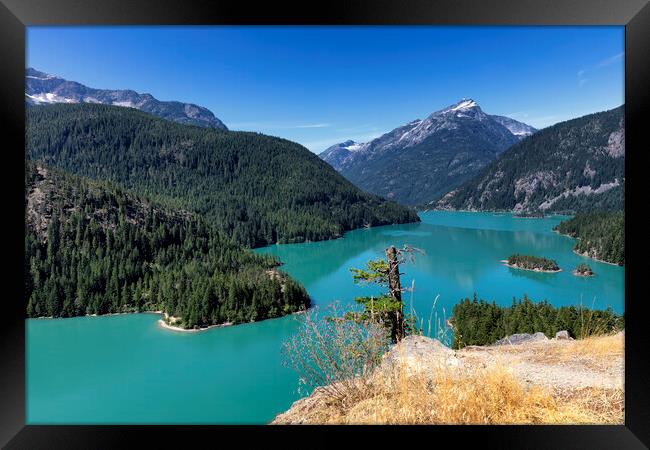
[[514, 266]]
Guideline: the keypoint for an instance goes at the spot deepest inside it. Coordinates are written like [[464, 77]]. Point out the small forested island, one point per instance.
[[583, 270], [600, 235], [535, 263]]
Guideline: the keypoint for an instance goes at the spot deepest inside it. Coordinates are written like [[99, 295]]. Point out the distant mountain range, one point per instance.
[[577, 165], [44, 88], [424, 159]]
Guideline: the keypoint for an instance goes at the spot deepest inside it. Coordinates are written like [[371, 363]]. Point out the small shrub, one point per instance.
[[334, 354]]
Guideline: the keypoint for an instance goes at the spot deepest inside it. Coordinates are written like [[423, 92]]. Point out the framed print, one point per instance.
[[265, 219]]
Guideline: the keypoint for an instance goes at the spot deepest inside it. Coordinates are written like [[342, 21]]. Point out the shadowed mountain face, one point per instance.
[[425, 159], [572, 166], [44, 88]]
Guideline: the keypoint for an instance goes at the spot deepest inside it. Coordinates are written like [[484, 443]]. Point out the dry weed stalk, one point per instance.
[[333, 354]]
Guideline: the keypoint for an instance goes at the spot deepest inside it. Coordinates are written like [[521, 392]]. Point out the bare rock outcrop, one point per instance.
[[521, 338]]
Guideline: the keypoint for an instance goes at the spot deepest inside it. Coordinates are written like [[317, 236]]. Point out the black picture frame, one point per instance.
[[15, 15]]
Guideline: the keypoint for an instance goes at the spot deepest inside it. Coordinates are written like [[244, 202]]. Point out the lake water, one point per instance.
[[125, 369]]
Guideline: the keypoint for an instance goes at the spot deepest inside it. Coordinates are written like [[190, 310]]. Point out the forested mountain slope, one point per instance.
[[257, 189], [571, 166], [93, 248]]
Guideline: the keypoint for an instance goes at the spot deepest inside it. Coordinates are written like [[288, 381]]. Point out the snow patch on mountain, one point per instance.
[[49, 97], [463, 104], [128, 104]]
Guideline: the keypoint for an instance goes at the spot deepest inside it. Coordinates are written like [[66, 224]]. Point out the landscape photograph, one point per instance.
[[324, 225]]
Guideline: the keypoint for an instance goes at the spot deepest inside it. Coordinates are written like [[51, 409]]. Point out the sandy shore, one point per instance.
[[505, 263], [161, 322], [165, 325], [122, 313]]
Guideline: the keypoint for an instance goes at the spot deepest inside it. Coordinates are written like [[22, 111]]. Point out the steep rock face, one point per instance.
[[521, 338], [424, 159], [44, 88], [48, 194], [571, 166]]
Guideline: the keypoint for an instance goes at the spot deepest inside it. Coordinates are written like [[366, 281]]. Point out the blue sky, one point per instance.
[[323, 85]]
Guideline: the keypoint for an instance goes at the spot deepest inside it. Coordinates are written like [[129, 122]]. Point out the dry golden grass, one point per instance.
[[611, 345], [602, 351], [602, 346], [474, 394], [483, 396]]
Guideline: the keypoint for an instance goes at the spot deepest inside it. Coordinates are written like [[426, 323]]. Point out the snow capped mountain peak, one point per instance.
[[37, 75], [466, 107], [465, 103], [451, 143]]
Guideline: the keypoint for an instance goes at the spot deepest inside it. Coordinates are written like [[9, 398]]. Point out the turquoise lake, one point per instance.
[[125, 369]]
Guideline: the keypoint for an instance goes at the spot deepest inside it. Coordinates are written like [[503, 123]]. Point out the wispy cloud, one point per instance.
[[312, 125], [544, 121], [581, 77], [581, 74], [611, 60], [517, 115], [275, 125], [535, 120], [365, 128]]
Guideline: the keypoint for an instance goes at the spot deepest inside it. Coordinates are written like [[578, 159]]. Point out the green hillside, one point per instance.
[[257, 189]]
